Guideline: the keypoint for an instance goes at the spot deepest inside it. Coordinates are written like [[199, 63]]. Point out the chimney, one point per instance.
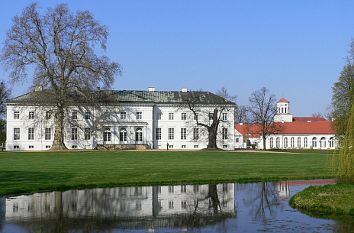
[[151, 89], [184, 90]]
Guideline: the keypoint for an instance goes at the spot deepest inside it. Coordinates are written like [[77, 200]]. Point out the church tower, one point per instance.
[[283, 111]]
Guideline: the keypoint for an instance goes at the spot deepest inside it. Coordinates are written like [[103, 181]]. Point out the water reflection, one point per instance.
[[188, 208]]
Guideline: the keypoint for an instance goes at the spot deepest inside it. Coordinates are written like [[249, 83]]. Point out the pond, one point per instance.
[[245, 207]]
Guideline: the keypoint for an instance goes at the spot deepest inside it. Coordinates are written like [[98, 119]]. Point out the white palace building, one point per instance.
[[124, 119], [290, 132]]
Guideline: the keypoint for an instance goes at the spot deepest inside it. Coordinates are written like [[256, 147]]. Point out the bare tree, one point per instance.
[[61, 47], [193, 101], [262, 110], [241, 114]]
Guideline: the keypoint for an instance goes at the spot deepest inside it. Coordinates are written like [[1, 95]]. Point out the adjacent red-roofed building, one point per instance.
[[289, 132]]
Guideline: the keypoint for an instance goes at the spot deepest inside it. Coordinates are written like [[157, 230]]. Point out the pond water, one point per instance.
[[249, 207]]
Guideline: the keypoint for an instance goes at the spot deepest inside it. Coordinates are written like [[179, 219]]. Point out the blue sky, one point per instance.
[[294, 48]]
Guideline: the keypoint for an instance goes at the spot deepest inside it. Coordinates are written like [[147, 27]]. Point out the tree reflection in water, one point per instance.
[[262, 199]]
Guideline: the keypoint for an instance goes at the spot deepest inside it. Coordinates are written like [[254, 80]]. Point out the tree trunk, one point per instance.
[[264, 142], [212, 138], [58, 142]]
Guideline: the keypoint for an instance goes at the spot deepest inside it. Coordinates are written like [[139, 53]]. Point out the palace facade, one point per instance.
[[124, 119]]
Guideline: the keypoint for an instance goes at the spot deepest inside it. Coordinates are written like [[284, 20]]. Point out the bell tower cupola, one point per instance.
[[283, 111]]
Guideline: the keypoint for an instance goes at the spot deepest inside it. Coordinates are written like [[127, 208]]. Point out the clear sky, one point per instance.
[[294, 48]]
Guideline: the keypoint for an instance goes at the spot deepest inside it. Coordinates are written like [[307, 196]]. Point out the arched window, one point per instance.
[[323, 142], [123, 135], [314, 142], [277, 142], [292, 142], [271, 142], [298, 142], [107, 135], [285, 142], [331, 142], [305, 142], [138, 135]]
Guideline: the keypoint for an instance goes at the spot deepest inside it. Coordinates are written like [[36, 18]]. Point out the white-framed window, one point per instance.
[[16, 147], [74, 115], [31, 115], [171, 133], [47, 146], [139, 135], [170, 146], [195, 133], [183, 146], [16, 115], [87, 115], [323, 142], [17, 134], [73, 133], [170, 205], [211, 116], [47, 133], [170, 116], [123, 135], [87, 133], [74, 146], [183, 116], [285, 142], [331, 142], [30, 147], [224, 146], [139, 115], [224, 116], [30, 133], [123, 115], [292, 142], [183, 204], [107, 135], [183, 133], [277, 142], [314, 142], [305, 142], [270, 142], [196, 146], [224, 133], [183, 188], [298, 142], [158, 133], [48, 114]]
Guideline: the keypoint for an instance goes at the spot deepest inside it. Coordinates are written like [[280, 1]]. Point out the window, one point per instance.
[[196, 146], [224, 116], [305, 142], [183, 133], [171, 189], [16, 147], [87, 115], [30, 133], [123, 115], [314, 142], [74, 146], [123, 135], [170, 116], [47, 146], [31, 115], [183, 204], [16, 115], [224, 146], [170, 204], [195, 188], [87, 132], [107, 135], [195, 133], [47, 133], [73, 133], [170, 146], [158, 133], [237, 139], [298, 142], [224, 133], [74, 115], [159, 115], [48, 114], [139, 115], [30, 147], [183, 188], [183, 146], [16, 133], [323, 142], [292, 142], [277, 142], [271, 142], [285, 142], [211, 116], [331, 142], [183, 116], [171, 133], [139, 135]]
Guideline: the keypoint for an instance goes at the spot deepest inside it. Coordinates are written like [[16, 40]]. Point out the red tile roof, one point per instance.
[[309, 119], [296, 127], [283, 100]]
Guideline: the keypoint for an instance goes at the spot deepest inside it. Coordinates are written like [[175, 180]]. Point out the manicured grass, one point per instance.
[[23, 172], [328, 200]]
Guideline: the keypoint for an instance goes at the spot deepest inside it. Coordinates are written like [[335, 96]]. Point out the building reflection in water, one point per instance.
[[144, 207]]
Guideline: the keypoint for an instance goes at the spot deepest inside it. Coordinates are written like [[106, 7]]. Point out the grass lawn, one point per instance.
[[329, 200], [24, 172]]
